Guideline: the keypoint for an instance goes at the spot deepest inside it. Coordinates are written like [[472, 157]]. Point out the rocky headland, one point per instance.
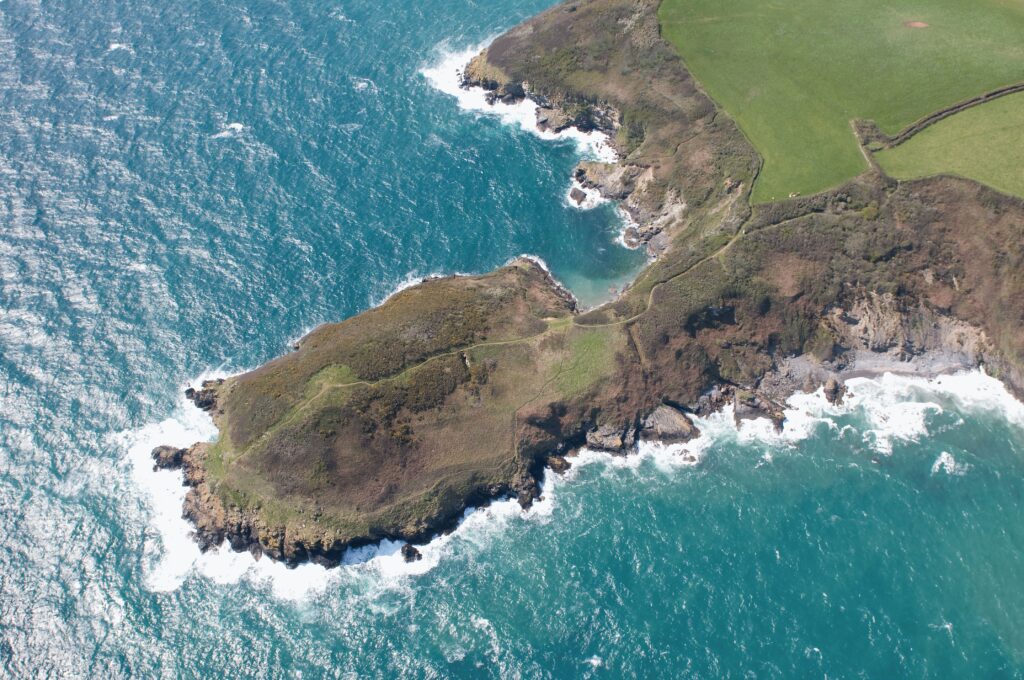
[[462, 389]]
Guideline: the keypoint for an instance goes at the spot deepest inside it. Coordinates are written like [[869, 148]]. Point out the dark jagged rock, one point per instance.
[[558, 464], [834, 390], [577, 196], [167, 457], [410, 553], [205, 397]]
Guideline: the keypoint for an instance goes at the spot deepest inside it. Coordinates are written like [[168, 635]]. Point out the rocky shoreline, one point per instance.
[[879, 339], [215, 525], [619, 181]]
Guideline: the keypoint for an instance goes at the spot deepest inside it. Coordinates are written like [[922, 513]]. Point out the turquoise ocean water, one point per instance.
[[188, 187]]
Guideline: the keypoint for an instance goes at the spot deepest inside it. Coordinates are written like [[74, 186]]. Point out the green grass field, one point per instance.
[[794, 74], [985, 143]]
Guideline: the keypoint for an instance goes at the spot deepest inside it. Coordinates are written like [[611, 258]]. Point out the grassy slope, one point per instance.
[[985, 143], [440, 315], [795, 74]]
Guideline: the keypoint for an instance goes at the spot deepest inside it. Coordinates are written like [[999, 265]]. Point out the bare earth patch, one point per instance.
[[915, 24]]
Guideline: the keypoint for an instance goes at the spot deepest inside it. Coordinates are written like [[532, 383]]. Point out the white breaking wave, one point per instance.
[[896, 408], [446, 76], [171, 555], [364, 84], [948, 464], [536, 259], [230, 130], [411, 279], [665, 457], [414, 279], [893, 408], [627, 222]]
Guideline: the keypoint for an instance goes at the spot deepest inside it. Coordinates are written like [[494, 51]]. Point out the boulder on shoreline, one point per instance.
[[167, 457], [613, 438], [834, 390], [751, 405], [669, 425], [558, 464], [410, 553]]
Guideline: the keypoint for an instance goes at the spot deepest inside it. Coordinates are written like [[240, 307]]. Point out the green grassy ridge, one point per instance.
[[795, 74], [983, 143], [432, 318], [433, 415]]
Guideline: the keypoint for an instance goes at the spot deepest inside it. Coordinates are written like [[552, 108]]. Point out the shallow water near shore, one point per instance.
[[192, 187]]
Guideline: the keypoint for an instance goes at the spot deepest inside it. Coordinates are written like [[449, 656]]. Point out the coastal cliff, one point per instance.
[[461, 389]]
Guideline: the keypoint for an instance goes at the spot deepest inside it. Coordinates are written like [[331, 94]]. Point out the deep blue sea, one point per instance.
[[186, 188]]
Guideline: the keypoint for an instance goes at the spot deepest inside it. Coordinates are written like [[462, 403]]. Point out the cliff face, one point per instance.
[[603, 65], [459, 390]]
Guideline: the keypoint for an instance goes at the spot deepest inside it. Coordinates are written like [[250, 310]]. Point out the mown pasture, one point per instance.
[[794, 74], [984, 143]]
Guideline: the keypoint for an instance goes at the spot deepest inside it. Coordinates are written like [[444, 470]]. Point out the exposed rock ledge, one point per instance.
[[874, 337], [651, 208]]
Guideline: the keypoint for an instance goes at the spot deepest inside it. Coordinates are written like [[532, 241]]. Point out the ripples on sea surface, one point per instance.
[[189, 187]]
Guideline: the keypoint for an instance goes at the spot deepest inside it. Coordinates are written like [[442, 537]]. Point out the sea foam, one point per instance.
[[445, 75], [410, 280], [889, 409], [897, 408], [892, 408], [885, 410], [171, 556], [230, 130]]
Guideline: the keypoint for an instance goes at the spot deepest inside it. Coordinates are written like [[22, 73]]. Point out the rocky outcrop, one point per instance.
[[558, 464], [206, 396], [410, 553], [167, 457], [669, 425], [651, 207], [883, 323], [751, 405], [612, 437], [834, 390]]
